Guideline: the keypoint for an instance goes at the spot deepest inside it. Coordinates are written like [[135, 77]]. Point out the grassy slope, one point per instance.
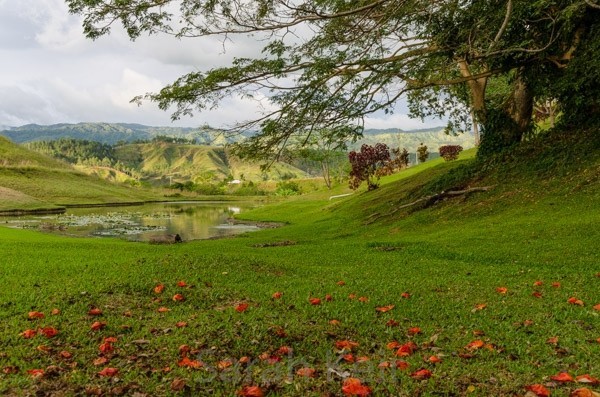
[[534, 225], [42, 182]]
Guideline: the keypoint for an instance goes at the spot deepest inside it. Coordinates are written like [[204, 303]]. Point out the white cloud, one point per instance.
[[398, 120], [50, 73]]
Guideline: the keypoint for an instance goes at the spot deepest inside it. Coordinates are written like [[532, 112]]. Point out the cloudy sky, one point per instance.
[[50, 73]]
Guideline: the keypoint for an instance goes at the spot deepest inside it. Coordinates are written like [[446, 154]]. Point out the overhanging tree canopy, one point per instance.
[[329, 63]]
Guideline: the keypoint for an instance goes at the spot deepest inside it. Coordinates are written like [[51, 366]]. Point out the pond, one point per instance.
[[191, 220]]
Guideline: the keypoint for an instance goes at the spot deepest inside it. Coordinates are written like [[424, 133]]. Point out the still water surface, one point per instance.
[[191, 220]]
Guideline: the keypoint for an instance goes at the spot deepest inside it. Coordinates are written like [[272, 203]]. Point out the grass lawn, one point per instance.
[[487, 294]]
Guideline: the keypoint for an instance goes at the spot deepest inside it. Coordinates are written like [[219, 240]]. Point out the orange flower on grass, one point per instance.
[[434, 360], [587, 379], [341, 283], [163, 309], [314, 301], [250, 391], [49, 332], [406, 349], [277, 295], [402, 365], [178, 298], [476, 344], [181, 324], [159, 288], [95, 312], [188, 363], [345, 345], [354, 387], [502, 290], [556, 284], [181, 284], [405, 295], [55, 312], [384, 309], [98, 325], [109, 372], [29, 333], [574, 301], [363, 299], [584, 392], [241, 307], [538, 283], [35, 315], [421, 374], [597, 307], [562, 377], [36, 373], [306, 372], [414, 331], [538, 390]]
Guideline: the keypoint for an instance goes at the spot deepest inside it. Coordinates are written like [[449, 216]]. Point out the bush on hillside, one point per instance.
[[450, 152]]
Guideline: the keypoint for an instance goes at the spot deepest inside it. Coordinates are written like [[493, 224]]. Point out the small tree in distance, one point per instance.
[[367, 164], [450, 152], [422, 153]]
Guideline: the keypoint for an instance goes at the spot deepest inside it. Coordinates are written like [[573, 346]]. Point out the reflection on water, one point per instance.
[[191, 220]]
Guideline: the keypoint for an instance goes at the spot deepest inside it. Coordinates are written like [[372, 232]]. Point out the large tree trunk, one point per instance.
[[504, 127], [520, 109]]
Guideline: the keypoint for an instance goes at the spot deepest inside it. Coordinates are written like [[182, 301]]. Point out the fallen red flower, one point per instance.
[[562, 377], [108, 372], [584, 392], [345, 345], [354, 387], [187, 363], [536, 294], [476, 344], [502, 290], [49, 332], [538, 283], [250, 391], [574, 301], [314, 301], [406, 349], [384, 309], [241, 307], [159, 289], [414, 331], [306, 372], [178, 298], [95, 312], [181, 324], [36, 373], [402, 365], [36, 315], [341, 283], [98, 325], [587, 379], [538, 390], [421, 374], [29, 333], [181, 284], [277, 295], [405, 295]]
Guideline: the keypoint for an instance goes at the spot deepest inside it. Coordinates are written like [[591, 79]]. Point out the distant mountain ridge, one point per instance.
[[112, 133]]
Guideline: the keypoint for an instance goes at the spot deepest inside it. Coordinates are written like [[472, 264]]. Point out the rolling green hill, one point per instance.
[[160, 162], [30, 180]]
